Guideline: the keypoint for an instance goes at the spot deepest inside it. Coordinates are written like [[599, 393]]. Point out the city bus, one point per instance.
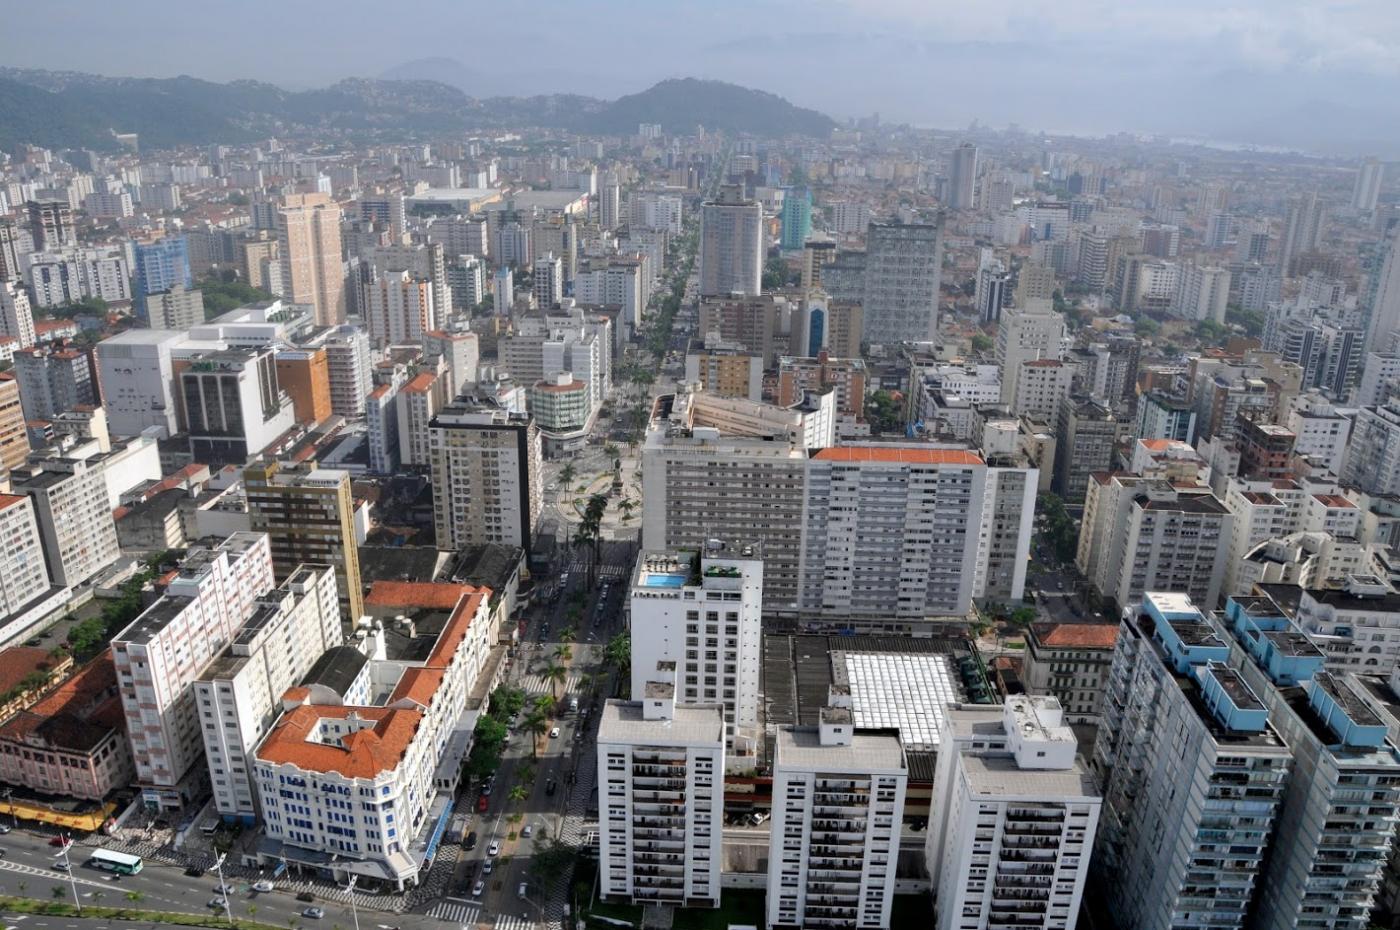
[[117, 862]]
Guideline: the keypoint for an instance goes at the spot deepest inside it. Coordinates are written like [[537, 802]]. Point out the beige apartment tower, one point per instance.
[[308, 513], [308, 236]]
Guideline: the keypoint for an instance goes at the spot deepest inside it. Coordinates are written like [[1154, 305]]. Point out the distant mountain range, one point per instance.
[[71, 110]]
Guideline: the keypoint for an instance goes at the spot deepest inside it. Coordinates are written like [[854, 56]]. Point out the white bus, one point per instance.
[[117, 862]]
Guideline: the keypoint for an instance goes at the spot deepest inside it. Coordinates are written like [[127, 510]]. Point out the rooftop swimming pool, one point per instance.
[[657, 580]]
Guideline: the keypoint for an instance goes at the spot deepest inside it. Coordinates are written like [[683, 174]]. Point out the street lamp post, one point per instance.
[[354, 912], [10, 800], [68, 870], [223, 891]]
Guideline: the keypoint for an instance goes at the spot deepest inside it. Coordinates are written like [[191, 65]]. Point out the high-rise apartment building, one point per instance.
[[903, 273], [487, 465], [1366, 192], [1372, 461], [168, 646], [1086, 436], [1026, 334], [660, 798], [838, 807], [175, 309], [289, 629], [308, 236], [731, 245], [548, 280], [1336, 825], [1303, 227], [609, 202], [1142, 534], [10, 236], [1383, 318], [1202, 293], [308, 513], [16, 316], [136, 371], [74, 514], [23, 575], [157, 267], [14, 436], [1193, 774], [1017, 812], [348, 368], [53, 378], [399, 308], [962, 177], [51, 224], [305, 375], [796, 218], [707, 621]]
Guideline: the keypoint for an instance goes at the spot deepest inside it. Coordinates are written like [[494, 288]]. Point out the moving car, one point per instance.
[[315, 913], [218, 903], [493, 850], [549, 787], [262, 886], [520, 892], [478, 888], [61, 866], [488, 866], [529, 829], [554, 733]]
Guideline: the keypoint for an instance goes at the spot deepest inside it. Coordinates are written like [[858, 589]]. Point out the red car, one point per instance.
[[56, 841], [482, 803]]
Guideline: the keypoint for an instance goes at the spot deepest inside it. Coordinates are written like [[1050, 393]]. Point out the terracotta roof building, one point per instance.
[[1070, 661]]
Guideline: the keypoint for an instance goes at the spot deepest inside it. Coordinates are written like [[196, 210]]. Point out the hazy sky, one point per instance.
[[1323, 69]]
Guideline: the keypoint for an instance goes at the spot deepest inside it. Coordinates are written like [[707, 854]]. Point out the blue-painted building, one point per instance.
[[797, 218], [159, 266]]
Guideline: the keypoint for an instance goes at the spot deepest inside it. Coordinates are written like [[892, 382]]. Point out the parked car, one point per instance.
[[305, 896], [549, 787], [470, 842], [194, 871], [488, 866], [482, 803]]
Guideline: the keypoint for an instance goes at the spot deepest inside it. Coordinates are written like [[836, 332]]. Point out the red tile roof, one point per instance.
[[905, 454], [363, 754], [421, 384], [428, 594], [10, 500], [19, 661], [1077, 635], [1334, 500]]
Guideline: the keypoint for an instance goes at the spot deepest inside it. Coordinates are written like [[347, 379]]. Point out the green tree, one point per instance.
[[517, 794], [550, 858], [487, 747], [555, 674], [982, 344], [56, 891], [568, 635], [884, 412], [1022, 617], [134, 897], [566, 474], [535, 724], [1058, 527], [617, 654], [1212, 333], [1146, 326]]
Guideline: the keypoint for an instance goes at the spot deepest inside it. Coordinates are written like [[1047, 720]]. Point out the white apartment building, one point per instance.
[[415, 405], [1004, 533], [660, 799], [1017, 812], [239, 693], [1041, 386], [400, 308], [849, 218], [357, 789], [891, 531], [1373, 456], [1337, 822], [71, 507], [1356, 624], [1201, 293], [460, 352], [547, 281], [838, 809], [487, 465], [234, 406], [137, 375], [1379, 375], [57, 278], [348, 368], [169, 645], [16, 316], [1193, 775], [707, 619], [1322, 432], [1143, 534], [1273, 510], [656, 210], [1026, 334], [23, 575]]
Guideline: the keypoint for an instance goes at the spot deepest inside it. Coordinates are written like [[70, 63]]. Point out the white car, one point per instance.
[[478, 888], [262, 886], [529, 829], [493, 850], [554, 733]]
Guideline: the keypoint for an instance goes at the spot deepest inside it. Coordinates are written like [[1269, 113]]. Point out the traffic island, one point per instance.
[[94, 912]]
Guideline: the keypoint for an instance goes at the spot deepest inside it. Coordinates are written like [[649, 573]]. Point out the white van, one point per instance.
[[520, 892]]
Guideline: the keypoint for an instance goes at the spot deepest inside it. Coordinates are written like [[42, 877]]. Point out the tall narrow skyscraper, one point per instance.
[[308, 233], [1384, 317], [903, 271], [962, 180], [731, 244], [1302, 229], [158, 267], [1367, 191], [797, 218]]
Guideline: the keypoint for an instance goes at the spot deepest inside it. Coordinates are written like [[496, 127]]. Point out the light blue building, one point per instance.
[[797, 218], [158, 267]]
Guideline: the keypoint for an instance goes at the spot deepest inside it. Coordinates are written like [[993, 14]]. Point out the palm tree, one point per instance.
[[517, 794], [57, 891], [554, 674], [566, 474], [568, 635], [563, 653], [626, 505], [535, 724]]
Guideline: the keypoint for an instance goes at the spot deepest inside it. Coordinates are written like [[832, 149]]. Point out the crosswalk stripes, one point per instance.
[[455, 911], [512, 922], [535, 683], [606, 572]]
